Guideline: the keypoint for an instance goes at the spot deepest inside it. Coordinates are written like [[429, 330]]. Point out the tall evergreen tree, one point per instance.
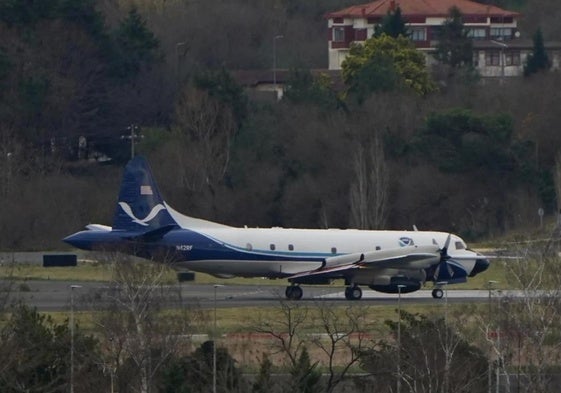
[[35, 355], [538, 59], [305, 375], [392, 25], [134, 46], [263, 382], [454, 48]]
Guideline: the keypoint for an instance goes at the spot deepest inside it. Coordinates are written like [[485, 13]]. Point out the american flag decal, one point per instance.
[[146, 190]]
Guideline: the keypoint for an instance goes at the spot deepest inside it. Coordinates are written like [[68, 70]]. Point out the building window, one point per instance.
[[361, 34], [502, 19], [512, 58], [474, 19], [500, 33], [493, 58], [477, 33], [338, 20], [436, 32], [418, 34], [290, 247], [272, 247], [334, 250], [338, 34]]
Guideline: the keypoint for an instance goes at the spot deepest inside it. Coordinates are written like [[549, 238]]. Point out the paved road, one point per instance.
[[55, 295]]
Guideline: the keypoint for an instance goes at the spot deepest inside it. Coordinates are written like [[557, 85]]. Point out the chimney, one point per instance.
[[392, 5]]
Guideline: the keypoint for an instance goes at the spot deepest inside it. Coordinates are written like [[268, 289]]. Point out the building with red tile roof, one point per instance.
[[424, 8], [498, 49]]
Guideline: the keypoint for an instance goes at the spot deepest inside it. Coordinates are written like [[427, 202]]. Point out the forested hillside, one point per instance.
[[470, 156]]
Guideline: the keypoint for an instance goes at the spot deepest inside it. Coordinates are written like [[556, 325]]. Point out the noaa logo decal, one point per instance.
[[141, 221], [405, 241]]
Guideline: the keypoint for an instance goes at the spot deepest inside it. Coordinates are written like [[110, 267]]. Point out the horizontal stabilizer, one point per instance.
[[98, 227]]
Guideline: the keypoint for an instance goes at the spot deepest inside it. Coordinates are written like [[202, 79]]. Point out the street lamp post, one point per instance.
[[275, 38], [399, 287], [447, 339], [503, 58], [214, 343], [72, 288], [500, 360], [490, 285]]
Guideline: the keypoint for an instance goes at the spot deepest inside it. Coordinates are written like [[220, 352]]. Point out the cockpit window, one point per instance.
[[460, 245]]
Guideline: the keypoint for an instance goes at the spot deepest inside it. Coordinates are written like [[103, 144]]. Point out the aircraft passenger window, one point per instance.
[[249, 246], [378, 248], [334, 250], [291, 247], [460, 245], [272, 246]]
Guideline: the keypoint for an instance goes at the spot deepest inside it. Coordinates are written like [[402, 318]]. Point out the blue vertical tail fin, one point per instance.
[[140, 207]]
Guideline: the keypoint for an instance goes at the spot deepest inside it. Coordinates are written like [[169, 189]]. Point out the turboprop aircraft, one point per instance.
[[145, 225]]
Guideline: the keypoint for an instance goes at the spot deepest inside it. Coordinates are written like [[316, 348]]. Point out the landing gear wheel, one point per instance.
[[294, 292], [437, 293], [353, 293]]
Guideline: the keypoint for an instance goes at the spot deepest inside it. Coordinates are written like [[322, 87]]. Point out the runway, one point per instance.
[[56, 295]]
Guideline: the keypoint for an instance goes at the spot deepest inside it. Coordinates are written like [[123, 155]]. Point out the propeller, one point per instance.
[[443, 263]]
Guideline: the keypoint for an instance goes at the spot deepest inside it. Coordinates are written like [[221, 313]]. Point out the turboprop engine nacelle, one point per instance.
[[346, 259]]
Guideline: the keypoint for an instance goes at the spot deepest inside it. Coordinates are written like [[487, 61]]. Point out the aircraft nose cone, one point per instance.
[[480, 266]]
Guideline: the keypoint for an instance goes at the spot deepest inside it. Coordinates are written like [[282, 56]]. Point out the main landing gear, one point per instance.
[[353, 292], [293, 292], [437, 293]]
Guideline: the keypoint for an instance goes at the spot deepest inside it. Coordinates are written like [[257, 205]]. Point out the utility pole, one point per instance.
[[133, 136]]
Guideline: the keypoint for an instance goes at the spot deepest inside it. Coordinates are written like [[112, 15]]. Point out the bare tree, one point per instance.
[[528, 325], [335, 336], [205, 128], [137, 329], [557, 182], [369, 190], [343, 336], [286, 329], [435, 357]]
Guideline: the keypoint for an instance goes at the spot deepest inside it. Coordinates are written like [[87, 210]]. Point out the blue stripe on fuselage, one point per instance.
[[205, 248], [181, 245]]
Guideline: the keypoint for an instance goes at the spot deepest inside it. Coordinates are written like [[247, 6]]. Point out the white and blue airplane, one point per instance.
[[145, 225]]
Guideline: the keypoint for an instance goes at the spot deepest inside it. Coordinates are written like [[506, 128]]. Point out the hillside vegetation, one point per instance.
[[477, 158]]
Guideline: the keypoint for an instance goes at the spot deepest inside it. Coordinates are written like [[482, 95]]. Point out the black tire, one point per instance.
[[353, 293], [294, 292], [437, 293], [288, 292]]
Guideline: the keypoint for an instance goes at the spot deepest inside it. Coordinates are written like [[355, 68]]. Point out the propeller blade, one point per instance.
[[444, 257]]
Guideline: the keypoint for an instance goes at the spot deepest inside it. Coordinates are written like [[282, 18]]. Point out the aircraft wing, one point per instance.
[[413, 257]]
